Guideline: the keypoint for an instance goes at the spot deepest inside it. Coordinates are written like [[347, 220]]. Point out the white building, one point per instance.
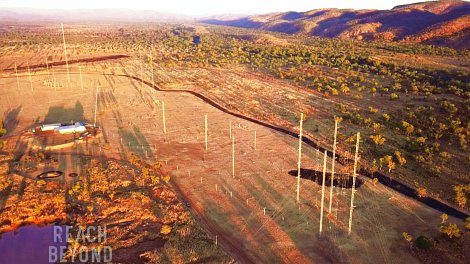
[[71, 128], [50, 127]]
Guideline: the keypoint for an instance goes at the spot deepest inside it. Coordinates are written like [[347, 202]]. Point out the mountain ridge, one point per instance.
[[445, 22], [88, 15]]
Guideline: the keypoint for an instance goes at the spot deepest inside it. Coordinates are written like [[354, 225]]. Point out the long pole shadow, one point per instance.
[[343, 180]]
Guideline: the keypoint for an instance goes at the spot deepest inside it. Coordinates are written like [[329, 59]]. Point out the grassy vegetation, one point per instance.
[[414, 118], [419, 125], [3, 131], [110, 193], [420, 111]]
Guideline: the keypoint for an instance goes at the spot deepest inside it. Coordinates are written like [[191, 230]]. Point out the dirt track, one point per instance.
[[223, 238], [73, 61]]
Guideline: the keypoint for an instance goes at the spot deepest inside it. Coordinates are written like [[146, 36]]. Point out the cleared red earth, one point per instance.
[[253, 212]]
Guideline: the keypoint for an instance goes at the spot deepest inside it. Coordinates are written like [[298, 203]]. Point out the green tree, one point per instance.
[[462, 141], [451, 230], [3, 130], [421, 141], [444, 218], [400, 158], [409, 128], [407, 237], [378, 139], [373, 110], [393, 96], [376, 127], [165, 229], [375, 181], [423, 242], [386, 117], [422, 192], [390, 164], [460, 197]]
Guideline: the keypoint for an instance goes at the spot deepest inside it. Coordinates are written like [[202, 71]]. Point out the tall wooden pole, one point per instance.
[[333, 165], [323, 192], [230, 124], [163, 114], [141, 70], [300, 156], [65, 54], [353, 188], [17, 78], [81, 79], [96, 105], [47, 67], [53, 79], [233, 157], [255, 140], [151, 66], [30, 81], [205, 128]]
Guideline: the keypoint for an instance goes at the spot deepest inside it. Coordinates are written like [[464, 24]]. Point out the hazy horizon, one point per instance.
[[204, 7]]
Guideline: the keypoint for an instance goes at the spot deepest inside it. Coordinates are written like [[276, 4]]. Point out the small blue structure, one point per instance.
[[196, 40]]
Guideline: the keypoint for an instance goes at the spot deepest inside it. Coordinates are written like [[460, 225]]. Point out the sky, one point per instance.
[[207, 7]]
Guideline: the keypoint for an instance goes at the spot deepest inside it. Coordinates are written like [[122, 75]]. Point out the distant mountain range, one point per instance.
[[87, 15], [444, 23]]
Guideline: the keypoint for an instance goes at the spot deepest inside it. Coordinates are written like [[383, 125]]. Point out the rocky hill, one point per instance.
[[437, 22]]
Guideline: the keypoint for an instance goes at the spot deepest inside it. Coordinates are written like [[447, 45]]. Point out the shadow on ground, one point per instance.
[[60, 114], [11, 119], [340, 180]]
